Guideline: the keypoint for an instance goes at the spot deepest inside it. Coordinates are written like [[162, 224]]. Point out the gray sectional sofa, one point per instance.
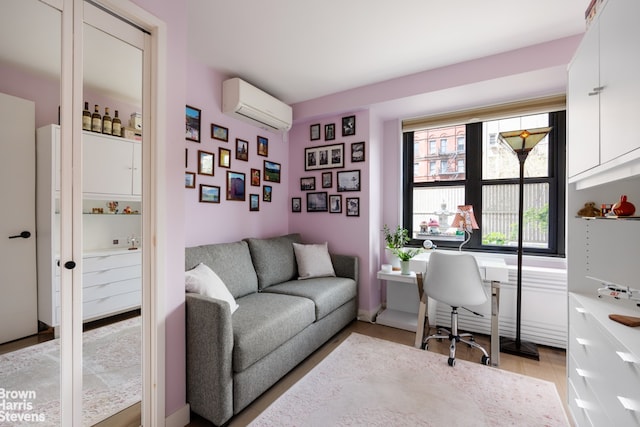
[[234, 358]]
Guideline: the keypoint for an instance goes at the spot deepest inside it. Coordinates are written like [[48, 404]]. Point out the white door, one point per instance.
[[18, 286]]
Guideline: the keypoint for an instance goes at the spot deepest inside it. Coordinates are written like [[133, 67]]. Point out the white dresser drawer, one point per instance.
[[585, 408], [111, 275], [112, 304], [111, 289], [107, 261]]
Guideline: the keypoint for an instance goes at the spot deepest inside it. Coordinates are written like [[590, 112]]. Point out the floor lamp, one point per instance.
[[521, 142]]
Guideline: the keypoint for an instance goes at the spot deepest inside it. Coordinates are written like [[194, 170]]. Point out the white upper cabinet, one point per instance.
[[619, 65], [111, 167], [584, 106], [604, 95]]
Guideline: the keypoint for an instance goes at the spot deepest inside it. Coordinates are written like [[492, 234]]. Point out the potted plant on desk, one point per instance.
[[394, 240], [405, 255]]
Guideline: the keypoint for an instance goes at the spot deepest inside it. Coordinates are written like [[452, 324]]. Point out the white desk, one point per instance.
[[403, 302]]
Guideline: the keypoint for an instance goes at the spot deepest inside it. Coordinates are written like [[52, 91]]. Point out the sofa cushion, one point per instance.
[[273, 259], [313, 261], [204, 281], [265, 321], [327, 293], [230, 261]]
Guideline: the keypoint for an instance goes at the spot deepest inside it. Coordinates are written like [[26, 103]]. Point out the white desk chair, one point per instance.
[[454, 279]]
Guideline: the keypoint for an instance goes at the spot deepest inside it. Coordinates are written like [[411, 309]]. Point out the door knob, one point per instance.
[[24, 235], [70, 265]]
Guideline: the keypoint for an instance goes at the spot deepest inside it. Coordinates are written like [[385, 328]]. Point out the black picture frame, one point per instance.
[[271, 171], [327, 179], [205, 163], [255, 177], [296, 204], [254, 202], [308, 183], [348, 125], [209, 193], [330, 132], [348, 180], [357, 152], [220, 133], [317, 202], [242, 150], [335, 203], [324, 157], [192, 123], [189, 180], [224, 157], [267, 193], [263, 146], [236, 186], [314, 132], [353, 206]]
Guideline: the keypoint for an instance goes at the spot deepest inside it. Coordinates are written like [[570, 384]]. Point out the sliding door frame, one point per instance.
[[154, 221]]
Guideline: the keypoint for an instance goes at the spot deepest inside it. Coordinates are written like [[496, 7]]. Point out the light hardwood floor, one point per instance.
[[551, 367]]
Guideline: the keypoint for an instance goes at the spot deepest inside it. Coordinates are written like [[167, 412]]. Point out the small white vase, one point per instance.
[[392, 259], [404, 267]]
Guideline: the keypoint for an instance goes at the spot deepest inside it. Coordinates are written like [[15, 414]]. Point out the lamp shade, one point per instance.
[[465, 219], [523, 141]]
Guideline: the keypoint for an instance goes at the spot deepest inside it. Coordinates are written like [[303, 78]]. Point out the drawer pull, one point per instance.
[[629, 404], [582, 341], [626, 357], [582, 373], [582, 404], [581, 310]]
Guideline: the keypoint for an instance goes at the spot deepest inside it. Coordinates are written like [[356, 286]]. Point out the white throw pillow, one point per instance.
[[313, 261], [203, 280]]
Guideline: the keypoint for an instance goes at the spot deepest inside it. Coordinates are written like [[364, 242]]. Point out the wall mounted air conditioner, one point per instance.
[[250, 104]]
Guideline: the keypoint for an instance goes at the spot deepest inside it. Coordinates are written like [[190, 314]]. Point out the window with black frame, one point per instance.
[[465, 164]]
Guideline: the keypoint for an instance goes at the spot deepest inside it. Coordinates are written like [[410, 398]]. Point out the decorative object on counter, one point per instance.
[[443, 217], [135, 121], [589, 210], [127, 210], [116, 125], [605, 209], [97, 210], [619, 292], [623, 207], [428, 244], [521, 142], [394, 240], [625, 320], [466, 221], [96, 120], [133, 241], [86, 117], [107, 123], [405, 255], [113, 207], [433, 226]]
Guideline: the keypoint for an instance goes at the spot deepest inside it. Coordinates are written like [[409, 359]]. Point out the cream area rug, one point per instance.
[[372, 382], [112, 377]]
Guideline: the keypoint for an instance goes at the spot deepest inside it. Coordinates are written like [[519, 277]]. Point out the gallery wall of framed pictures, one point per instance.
[[229, 177], [331, 169]]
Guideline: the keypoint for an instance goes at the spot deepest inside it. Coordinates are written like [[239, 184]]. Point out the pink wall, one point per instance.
[[345, 234], [230, 220]]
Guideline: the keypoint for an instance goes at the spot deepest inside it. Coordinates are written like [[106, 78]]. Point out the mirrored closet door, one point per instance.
[[112, 212]]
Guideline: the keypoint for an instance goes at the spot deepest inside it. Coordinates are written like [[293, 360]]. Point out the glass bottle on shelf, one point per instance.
[[106, 122], [86, 117], [116, 125], [96, 120]]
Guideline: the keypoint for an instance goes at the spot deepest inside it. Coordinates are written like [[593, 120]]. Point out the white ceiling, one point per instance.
[[300, 50]]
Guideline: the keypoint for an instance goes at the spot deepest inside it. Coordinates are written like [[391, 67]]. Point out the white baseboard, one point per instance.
[[179, 418], [368, 315]]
